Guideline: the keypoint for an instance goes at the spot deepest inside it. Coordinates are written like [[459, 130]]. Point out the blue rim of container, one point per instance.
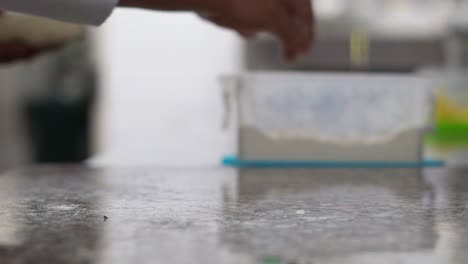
[[234, 161]]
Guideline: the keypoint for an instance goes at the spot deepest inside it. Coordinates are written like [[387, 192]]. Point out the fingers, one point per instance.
[[301, 11], [292, 21], [289, 30], [284, 28], [308, 14]]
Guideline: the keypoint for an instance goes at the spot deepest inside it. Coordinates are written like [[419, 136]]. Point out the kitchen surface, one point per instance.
[[73, 214]]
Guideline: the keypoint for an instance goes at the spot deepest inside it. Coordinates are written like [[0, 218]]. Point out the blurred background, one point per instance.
[[144, 88]]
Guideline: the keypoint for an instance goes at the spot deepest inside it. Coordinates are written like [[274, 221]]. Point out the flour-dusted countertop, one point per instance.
[[216, 215]]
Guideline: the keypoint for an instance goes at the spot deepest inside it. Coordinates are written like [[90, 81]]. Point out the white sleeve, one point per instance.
[[91, 12]]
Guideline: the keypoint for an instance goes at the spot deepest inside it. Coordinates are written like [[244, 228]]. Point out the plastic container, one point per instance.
[[328, 117]]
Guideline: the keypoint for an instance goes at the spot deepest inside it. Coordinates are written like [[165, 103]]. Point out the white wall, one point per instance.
[[160, 97]]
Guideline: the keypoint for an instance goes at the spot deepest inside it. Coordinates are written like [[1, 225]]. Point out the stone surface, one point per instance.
[[216, 215]]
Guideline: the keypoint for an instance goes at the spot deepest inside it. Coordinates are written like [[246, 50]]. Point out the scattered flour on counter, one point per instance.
[[62, 207]]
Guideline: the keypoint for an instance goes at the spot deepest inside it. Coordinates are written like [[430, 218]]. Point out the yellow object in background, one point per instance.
[[448, 110], [451, 125], [359, 48]]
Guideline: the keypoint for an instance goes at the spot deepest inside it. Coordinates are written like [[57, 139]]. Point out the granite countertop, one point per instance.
[[217, 215]]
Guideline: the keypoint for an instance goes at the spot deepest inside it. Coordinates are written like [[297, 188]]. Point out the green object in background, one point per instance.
[[452, 122], [450, 133], [271, 260]]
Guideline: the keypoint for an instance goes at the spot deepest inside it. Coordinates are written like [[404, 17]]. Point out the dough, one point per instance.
[[37, 31]]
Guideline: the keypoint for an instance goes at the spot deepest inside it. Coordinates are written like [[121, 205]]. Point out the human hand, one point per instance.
[[292, 21]]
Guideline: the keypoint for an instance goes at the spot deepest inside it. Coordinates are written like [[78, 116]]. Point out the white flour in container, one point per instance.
[[255, 145]]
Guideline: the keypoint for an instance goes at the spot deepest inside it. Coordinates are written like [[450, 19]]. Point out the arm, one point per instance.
[[91, 12], [291, 21]]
